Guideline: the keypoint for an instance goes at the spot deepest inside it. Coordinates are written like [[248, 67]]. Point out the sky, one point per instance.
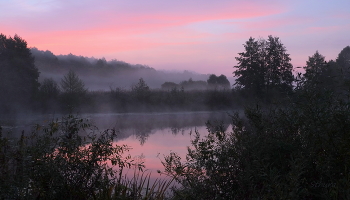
[[203, 36]]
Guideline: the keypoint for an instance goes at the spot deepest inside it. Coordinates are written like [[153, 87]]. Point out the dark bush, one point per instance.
[[294, 151]]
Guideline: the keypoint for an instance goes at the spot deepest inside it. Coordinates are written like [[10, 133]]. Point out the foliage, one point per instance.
[[169, 86], [71, 84], [299, 151], [176, 99], [70, 159], [319, 75], [218, 82], [49, 92], [18, 74], [139, 187], [343, 65], [141, 91], [193, 85], [314, 66], [264, 67], [343, 60], [49, 89], [73, 91]]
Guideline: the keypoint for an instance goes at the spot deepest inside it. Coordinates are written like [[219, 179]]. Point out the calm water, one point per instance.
[[151, 136]]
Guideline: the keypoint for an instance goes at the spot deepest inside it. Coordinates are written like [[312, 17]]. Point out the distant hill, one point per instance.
[[99, 74]]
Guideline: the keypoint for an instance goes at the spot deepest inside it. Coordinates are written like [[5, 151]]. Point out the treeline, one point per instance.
[[100, 74], [214, 82], [264, 74], [60, 89], [70, 95], [292, 142]]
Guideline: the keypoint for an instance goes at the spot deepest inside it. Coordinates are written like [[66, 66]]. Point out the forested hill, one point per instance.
[[99, 74]]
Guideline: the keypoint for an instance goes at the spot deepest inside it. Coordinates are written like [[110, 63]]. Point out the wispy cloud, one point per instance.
[[191, 34]]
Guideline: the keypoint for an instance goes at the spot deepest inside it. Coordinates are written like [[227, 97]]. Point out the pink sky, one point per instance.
[[199, 35]]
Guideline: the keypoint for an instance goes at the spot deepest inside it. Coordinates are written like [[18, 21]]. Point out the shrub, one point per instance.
[[294, 151], [64, 160]]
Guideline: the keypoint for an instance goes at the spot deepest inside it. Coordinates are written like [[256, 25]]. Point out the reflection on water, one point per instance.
[[149, 135], [152, 136], [143, 125]]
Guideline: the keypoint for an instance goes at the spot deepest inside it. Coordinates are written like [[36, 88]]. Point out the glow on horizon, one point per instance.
[[202, 36]]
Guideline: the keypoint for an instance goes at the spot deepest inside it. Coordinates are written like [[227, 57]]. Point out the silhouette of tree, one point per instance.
[[279, 69], [48, 93], [72, 84], [193, 85], [169, 85], [141, 90], [212, 80], [314, 66], [343, 60], [343, 66], [218, 82], [101, 63], [49, 89], [318, 73], [250, 69], [223, 81], [73, 90], [18, 73], [264, 67]]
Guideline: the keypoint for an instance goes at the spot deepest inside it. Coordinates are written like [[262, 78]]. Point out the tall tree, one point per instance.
[[343, 65], [18, 73], [141, 91], [73, 90], [218, 82], [250, 69], [72, 84], [314, 66], [278, 67], [320, 75], [264, 66], [343, 59]]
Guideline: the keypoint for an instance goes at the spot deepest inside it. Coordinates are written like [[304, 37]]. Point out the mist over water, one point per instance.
[[102, 75], [151, 136]]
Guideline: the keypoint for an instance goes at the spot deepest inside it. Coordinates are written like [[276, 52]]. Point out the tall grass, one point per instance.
[[67, 159]]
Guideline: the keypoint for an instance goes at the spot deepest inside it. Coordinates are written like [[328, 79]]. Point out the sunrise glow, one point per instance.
[[200, 36]]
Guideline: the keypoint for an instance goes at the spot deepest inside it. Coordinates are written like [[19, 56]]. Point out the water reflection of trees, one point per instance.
[[176, 130], [142, 134], [143, 125]]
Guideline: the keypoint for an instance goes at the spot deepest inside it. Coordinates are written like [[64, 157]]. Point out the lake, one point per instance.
[[150, 135], [154, 135]]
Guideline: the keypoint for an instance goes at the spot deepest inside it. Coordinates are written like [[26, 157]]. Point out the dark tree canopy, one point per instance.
[[218, 82], [73, 91], [141, 86], [18, 74], [343, 59], [72, 84], [343, 64], [278, 66], [250, 70], [264, 66], [49, 89], [193, 85], [318, 73], [141, 90], [169, 86], [314, 66]]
